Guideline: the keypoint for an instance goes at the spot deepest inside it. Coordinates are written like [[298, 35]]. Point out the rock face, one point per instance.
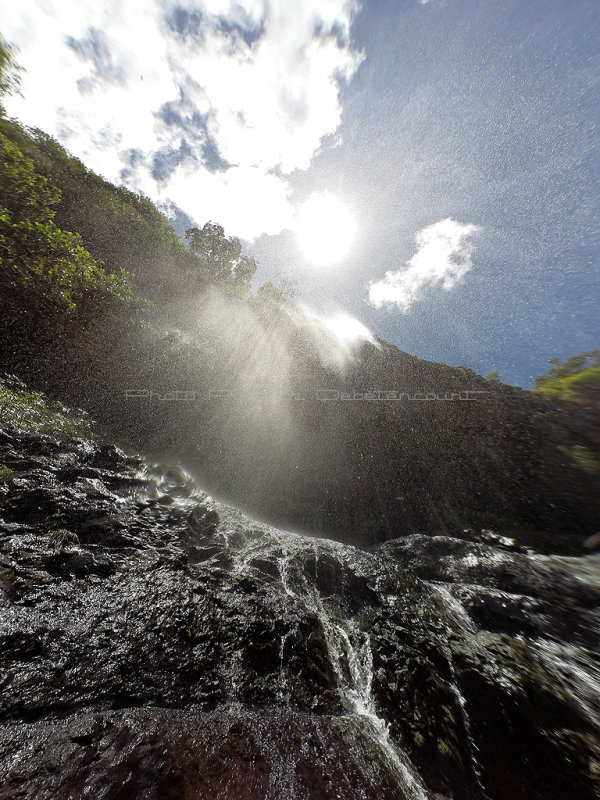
[[157, 644]]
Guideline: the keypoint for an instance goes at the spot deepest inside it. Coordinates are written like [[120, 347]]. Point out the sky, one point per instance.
[[428, 167]]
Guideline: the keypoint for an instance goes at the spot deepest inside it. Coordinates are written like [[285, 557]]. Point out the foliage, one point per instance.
[[222, 255], [269, 293], [280, 293], [286, 286], [27, 194], [580, 387], [41, 256], [493, 375], [34, 253], [245, 269], [5, 472], [9, 78], [123, 229], [570, 366], [31, 411], [444, 749], [581, 458]]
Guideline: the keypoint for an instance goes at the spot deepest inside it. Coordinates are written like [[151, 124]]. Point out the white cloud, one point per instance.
[[244, 200], [180, 98], [443, 256]]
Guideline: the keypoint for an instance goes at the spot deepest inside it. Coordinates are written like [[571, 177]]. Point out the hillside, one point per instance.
[[257, 425], [122, 229]]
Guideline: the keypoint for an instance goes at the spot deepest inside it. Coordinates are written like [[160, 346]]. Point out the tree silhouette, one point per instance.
[[223, 255]]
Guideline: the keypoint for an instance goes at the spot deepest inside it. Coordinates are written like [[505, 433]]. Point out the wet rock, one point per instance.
[[172, 648], [7, 579], [158, 754], [332, 577], [203, 520], [592, 542], [446, 559]]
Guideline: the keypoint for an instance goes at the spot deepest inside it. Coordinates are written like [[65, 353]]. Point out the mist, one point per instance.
[[255, 428]]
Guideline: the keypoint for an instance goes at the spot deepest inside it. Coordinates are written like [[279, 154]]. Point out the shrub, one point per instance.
[[32, 412]]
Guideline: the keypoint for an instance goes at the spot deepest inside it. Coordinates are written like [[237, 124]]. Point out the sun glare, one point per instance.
[[324, 229], [348, 329]]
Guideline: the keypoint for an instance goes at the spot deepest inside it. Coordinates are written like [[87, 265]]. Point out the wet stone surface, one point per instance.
[[157, 644]]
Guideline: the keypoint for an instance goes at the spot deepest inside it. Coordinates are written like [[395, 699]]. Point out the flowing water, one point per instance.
[[302, 567]]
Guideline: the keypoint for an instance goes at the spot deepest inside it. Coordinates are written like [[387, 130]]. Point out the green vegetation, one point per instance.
[[32, 412], [578, 387], [34, 253], [9, 71], [117, 226], [573, 385], [581, 458], [444, 749], [448, 713], [493, 375], [569, 367], [5, 472], [39, 261], [60, 538], [222, 255]]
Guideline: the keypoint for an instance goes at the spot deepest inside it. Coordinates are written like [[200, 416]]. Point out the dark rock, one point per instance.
[[160, 754], [593, 542], [170, 647]]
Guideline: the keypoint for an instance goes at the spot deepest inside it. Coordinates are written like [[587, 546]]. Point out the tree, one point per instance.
[[282, 292], [570, 366], [493, 375], [26, 194], [286, 286], [221, 254], [9, 78], [245, 269], [35, 255]]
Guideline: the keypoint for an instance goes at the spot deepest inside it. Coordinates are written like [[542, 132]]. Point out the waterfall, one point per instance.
[[473, 602], [348, 644]]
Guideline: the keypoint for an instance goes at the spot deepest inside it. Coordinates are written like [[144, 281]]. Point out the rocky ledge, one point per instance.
[[157, 644]]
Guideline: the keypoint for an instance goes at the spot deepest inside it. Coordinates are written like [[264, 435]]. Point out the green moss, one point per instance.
[[5, 472], [419, 739]]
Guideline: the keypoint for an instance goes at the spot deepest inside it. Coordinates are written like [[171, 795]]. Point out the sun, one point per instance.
[[324, 229]]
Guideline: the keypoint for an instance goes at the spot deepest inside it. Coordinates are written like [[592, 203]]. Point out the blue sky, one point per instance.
[[486, 113], [460, 136]]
